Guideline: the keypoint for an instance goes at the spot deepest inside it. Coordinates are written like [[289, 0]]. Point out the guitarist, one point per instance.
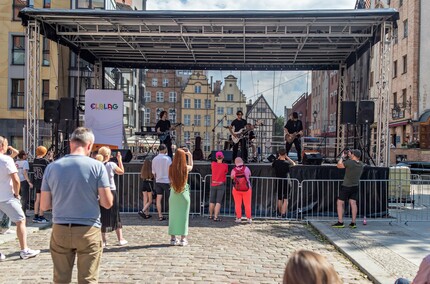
[[161, 127], [294, 129], [236, 127]]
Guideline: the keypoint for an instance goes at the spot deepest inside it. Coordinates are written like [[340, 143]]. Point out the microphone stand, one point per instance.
[[213, 129]]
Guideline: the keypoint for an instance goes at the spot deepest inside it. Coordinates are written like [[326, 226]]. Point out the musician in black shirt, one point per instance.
[[293, 131], [163, 127], [237, 127]]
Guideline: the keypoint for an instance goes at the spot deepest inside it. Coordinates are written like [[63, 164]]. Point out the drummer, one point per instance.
[[251, 139]]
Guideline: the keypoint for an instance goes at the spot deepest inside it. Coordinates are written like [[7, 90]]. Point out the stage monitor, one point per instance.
[[312, 159]]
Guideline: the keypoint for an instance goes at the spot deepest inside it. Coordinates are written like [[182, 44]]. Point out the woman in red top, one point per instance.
[[218, 185]]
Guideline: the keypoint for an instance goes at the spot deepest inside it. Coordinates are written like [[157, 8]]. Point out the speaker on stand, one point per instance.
[[51, 111]]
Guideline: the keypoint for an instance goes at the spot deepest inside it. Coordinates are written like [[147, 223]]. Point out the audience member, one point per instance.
[[160, 170], [218, 186], [281, 167], [242, 191], [147, 187], [39, 166], [423, 274], [23, 169]]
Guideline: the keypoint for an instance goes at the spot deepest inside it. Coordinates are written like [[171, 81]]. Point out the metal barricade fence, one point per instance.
[[265, 194], [130, 197]]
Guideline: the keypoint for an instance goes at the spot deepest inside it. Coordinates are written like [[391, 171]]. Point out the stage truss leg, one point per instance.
[[32, 88], [340, 140]]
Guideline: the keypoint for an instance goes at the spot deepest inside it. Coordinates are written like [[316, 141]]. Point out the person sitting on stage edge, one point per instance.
[[423, 274], [293, 130], [237, 127], [349, 191], [281, 167], [308, 267], [218, 185], [147, 187], [160, 170], [242, 191], [179, 200], [162, 127]]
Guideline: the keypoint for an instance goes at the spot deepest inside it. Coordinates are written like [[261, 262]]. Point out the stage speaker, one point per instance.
[[348, 112], [366, 112], [312, 159], [51, 111], [271, 158], [126, 154], [228, 156], [67, 109]]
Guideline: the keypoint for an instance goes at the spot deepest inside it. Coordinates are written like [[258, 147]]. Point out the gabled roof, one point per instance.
[[214, 40], [254, 106]]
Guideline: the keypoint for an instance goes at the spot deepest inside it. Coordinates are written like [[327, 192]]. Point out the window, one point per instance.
[[404, 97], [395, 99], [165, 82], [405, 28], [405, 64], [17, 94], [157, 114], [159, 97], [18, 50], [147, 116], [396, 35], [187, 103], [45, 52], [187, 119], [395, 69], [147, 97], [197, 120], [197, 103], [45, 91], [220, 110], [154, 82], [47, 4], [187, 135], [229, 110], [239, 108], [197, 89], [208, 104], [172, 115], [172, 97], [230, 97], [207, 120], [17, 6], [400, 3], [90, 4]]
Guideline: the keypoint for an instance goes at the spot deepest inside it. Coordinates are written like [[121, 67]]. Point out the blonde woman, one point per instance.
[[179, 200], [110, 218], [308, 267]]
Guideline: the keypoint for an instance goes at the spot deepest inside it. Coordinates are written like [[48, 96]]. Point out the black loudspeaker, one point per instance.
[[312, 159], [67, 108], [228, 156], [348, 112], [271, 158], [366, 112], [51, 111], [126, 154]]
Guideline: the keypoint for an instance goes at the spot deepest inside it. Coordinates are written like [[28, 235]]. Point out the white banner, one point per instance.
[[104, 115]]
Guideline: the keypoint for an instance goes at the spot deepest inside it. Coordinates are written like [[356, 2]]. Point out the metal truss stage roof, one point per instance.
[[214, 40]]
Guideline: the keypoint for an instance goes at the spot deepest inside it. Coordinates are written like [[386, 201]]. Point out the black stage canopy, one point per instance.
[[215, 40]]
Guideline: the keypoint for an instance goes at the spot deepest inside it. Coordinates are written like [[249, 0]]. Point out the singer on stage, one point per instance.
[[237, 127], [163, 127]]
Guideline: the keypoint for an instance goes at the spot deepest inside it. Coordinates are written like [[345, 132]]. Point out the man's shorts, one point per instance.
[[160, 188], [347, 193], [13, 209]]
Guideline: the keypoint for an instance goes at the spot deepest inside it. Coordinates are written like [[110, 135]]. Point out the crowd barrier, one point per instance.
[[395, 200]]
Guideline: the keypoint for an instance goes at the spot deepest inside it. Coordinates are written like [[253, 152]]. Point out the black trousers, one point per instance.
[[298, 144], [168, 143], [243, 150]]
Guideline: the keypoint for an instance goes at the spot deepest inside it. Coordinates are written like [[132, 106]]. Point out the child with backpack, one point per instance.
[[242, 191]]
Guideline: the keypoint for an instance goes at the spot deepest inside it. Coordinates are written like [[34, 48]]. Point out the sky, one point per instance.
[[280, 88]]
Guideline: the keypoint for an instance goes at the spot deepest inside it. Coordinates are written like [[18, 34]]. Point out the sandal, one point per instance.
[[217, 219], [161, 218], [147, 216], [210, 218]]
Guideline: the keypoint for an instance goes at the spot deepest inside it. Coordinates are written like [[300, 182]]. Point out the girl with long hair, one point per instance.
[[147, 187], [179, 200]]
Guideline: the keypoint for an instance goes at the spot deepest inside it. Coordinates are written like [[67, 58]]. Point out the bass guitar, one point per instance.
[[164, 135]]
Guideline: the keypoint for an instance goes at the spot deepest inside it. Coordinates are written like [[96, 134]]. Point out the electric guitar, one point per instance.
[[243, 132], [289, 138], [164, 135]]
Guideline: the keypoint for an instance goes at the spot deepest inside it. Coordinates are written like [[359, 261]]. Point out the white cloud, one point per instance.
[[288, 85]]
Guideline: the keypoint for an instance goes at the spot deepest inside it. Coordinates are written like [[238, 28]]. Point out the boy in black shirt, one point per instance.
[[281, 167]]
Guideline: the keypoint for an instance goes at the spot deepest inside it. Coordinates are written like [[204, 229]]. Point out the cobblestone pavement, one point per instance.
[[221, 252]]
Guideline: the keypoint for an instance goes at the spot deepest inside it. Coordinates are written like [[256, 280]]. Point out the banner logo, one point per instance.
[[104, 106]]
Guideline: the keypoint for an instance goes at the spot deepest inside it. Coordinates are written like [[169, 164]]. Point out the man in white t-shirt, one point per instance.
[[10, 199], [160, 170]]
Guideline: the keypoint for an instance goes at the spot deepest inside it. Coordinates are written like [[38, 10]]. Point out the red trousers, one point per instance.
[[244, 196]]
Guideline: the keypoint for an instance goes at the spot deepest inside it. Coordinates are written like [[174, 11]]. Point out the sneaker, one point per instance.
[[35, 219], [183, 242], [42, 220], [352, 225], [2, 257], [122, 242], [9, 232], [174, 242], [29, 253], [338, 225], [141, 214], [238, 220], [249, 221]]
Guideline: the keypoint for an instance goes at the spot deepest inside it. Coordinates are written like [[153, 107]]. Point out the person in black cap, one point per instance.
[[349, 191], [293, 131], [237, 129]]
